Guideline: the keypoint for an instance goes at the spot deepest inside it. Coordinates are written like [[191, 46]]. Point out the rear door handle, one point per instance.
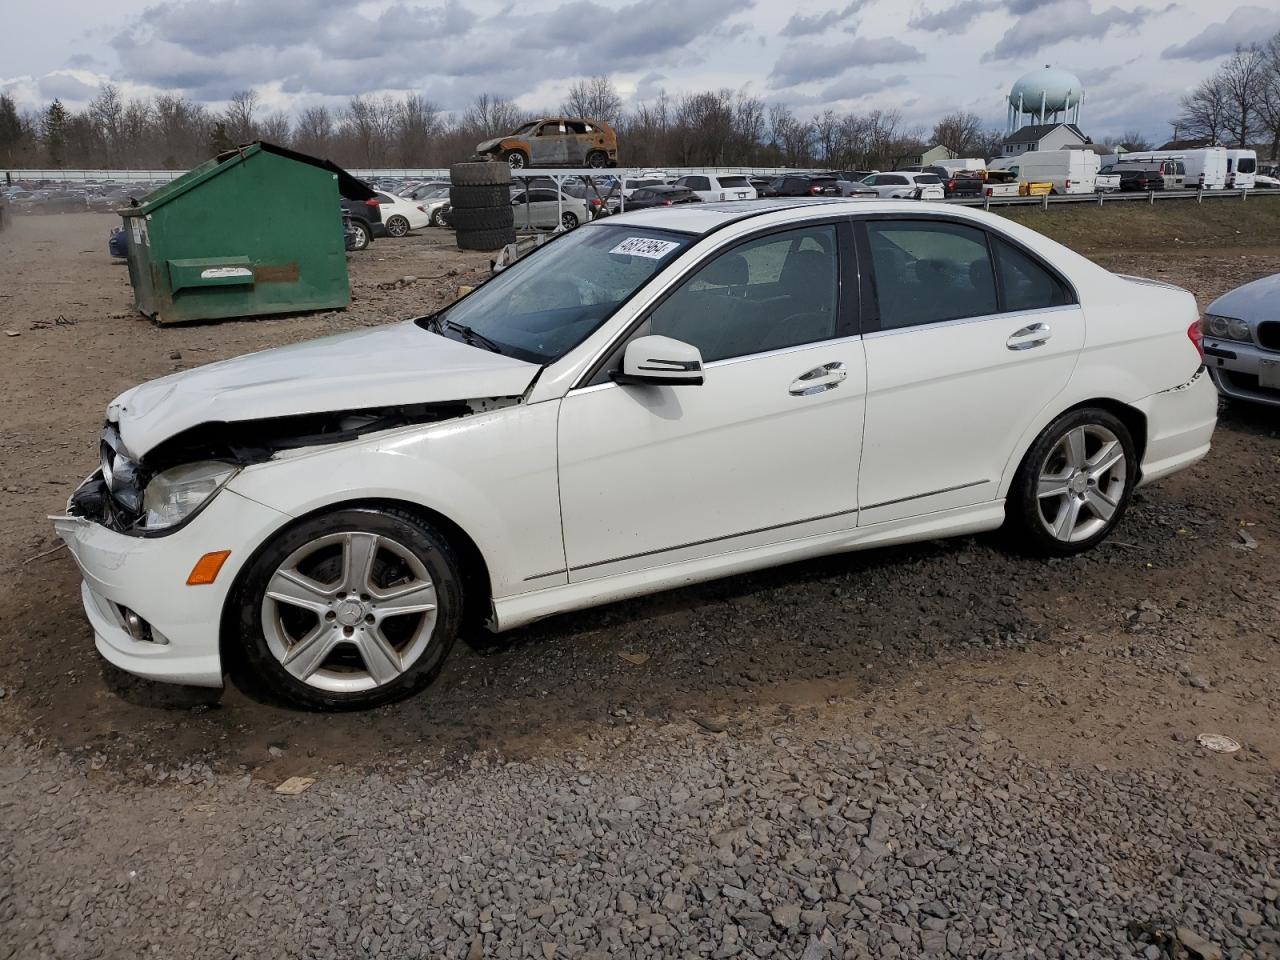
[[1032, 335], [819, 380]]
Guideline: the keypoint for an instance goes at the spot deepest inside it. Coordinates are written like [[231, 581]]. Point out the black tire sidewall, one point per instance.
[[393, 223], [567, 216], [478, 219], [362, 235], [1024, 502], [479, 173], [511, 154], [264, 670], [486, 239], [480, 197]]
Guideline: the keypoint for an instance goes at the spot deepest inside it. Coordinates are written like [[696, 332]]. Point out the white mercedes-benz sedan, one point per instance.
[[651, 400]]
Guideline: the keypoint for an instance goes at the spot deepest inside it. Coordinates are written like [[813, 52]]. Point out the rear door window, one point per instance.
[[734, 182], [929, 271], [1025, 283]]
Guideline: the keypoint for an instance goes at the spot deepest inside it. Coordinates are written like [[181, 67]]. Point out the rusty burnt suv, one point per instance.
[[555, 142]]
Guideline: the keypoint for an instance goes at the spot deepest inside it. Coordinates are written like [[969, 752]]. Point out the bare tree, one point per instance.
[[594, 98], [490, 116], [1243, 77], [1204, 112], [369, 126], [417, 124], [106, 114], [1132, 140], [1269, 100], [277, 128], [240, 125], [314, 131], [960, 132]]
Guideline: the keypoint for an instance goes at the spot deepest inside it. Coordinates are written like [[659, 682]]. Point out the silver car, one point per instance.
[[1242, 341], [540, 208]]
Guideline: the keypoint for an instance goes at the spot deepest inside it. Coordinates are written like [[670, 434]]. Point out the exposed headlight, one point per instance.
[[175, 494], [1227, 328]]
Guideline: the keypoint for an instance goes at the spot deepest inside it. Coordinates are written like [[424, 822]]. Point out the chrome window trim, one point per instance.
[[959, 321]]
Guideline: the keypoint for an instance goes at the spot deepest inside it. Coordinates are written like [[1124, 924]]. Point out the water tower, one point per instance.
[[1042, 96]]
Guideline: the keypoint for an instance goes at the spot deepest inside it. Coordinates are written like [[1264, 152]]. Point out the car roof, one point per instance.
[[702, 218]]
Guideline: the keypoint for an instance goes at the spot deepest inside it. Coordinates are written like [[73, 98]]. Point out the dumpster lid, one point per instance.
[[350, 187]]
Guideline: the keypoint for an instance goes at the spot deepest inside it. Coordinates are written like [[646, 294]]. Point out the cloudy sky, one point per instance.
[[1135, 58]]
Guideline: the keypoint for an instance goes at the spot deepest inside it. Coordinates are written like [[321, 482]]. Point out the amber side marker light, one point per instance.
[[206, 569]]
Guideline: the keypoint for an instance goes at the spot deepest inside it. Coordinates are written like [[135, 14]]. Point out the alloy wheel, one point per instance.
[[568, 221], [1081, 483], [349, 612]]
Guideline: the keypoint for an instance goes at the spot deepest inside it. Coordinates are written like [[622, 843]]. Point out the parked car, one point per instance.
[[542, 209], [909, 186], [962, 185], [664, 195], [1137, 176], [400, 214], [61, 201], [1263, 182], [555, 142], [803, 185], [1242, 341], [624, 410], [1171, 172], [718, 187], [366, 220]]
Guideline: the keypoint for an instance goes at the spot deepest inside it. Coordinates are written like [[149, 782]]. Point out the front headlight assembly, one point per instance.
[[175, 494], [1227, 328]]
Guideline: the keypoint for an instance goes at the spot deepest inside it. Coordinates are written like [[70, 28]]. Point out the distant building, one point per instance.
[[937, 155], [1188, 144], [1044, 136]]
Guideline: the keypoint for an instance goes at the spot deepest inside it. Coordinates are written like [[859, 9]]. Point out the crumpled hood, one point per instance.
[[488, 145], [383, 366], [1259, 300]]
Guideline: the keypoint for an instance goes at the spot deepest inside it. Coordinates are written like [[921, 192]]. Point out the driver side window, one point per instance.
[[774, 292]]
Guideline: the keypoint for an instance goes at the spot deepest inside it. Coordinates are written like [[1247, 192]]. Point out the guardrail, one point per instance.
[[1099, 199]]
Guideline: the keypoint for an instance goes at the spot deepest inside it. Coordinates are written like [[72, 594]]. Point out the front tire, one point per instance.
[[397, 226], [516, 159], [1074, 484], [353, 609]]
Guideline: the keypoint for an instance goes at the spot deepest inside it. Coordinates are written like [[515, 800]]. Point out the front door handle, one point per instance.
[[1032, 335], [818, 380]]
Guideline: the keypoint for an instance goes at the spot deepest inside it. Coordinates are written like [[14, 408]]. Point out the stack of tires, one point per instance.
[[480, 205]]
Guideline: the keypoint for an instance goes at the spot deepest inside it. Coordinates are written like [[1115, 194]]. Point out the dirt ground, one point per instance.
[[1121, 657]]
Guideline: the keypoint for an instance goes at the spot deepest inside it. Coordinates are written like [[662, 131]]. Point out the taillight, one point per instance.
[[1196, 336], [951, 185], [371, 203], [990, 192], [723, 196], [422, 208], [1068, 184], [814, 191], [665, 203]]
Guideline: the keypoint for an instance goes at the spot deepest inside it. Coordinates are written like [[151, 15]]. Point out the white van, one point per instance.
[[723, 187], [1070, 171], [1206, 167], [1242, 169], [962, 164]]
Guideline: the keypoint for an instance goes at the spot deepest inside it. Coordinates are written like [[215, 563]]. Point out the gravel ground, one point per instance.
[[938, 750]]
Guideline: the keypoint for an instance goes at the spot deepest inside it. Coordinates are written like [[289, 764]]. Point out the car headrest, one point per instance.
[[731, 270], [807, 269]]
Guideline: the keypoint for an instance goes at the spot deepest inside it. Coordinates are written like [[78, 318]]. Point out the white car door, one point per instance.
[[968, 338], [766, 449]]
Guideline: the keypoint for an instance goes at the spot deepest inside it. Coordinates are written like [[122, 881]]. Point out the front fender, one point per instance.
[[493, 474]]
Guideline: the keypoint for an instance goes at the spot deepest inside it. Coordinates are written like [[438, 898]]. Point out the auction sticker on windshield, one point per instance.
[[645, 247]]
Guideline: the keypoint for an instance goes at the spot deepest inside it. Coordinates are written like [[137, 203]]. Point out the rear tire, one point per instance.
[[363, 235], [308, 618], [397, 226], [597, 159], [1074, 483]]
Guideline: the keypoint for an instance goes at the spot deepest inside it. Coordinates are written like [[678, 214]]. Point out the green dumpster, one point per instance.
[[256, 230]]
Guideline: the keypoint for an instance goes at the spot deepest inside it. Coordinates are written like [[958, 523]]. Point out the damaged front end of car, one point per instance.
[[161, 492]]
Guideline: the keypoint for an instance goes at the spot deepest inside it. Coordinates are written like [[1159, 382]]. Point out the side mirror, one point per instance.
[[659, 361]]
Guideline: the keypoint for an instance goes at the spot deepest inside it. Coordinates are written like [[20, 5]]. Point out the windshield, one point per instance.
[[1246, 165], [548, 302], [524, 128]]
